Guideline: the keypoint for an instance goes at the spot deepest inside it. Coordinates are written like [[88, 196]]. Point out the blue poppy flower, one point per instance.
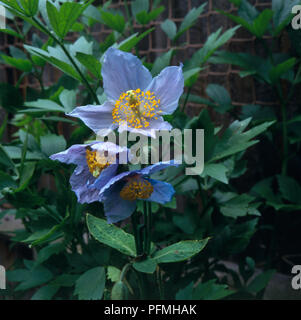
[[119, 195], [95, 163], [135, 101]]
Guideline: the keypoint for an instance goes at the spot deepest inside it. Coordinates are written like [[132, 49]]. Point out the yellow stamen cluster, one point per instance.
[[136, 188], [135, 108], [96, 162]]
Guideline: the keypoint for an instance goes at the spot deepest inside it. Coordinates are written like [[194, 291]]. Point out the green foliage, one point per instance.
[[105, 265], [170, 28], [91, 284], [111, 235]]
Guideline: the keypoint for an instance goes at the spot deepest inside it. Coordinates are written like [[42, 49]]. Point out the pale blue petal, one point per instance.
[[105, 190], [122, 71], [117, 209], [95, 117], [154, 126], [76, 154], [104, 177], [163, 191], [157, 167], [112, 149], [159, 124], [168, 86], [80, 181]]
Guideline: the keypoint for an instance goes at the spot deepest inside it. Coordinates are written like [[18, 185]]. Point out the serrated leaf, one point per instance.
[[113, 273]]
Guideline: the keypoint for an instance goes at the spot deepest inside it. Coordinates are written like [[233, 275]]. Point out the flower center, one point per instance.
[[136, 188], [135, 108], [96, 162]]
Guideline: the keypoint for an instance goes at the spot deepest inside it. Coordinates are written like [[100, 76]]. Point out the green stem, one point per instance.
[[149, 226], [186, 98], [85, 81], [137, 233], [147, 223], [124, 271]]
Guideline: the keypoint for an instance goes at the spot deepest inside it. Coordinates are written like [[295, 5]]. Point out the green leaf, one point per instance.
[[210, 290], [63, 19], [68, 100], [129, 43], [145, 18], [13, 4], [27, 173], [239, 206], [111, 235], [113, 20], [45, 253], [213, 42], [257, 25], [51, 144], [90, 62], [282, 13], [91, 284], [45, 293], [138, 6], [261, 23], [20, 64], [281, 69], [189, 20], [162, 62], [113, 274], [119, 291], [5, 159], [185, 293], [234, 140], [57, 62], [290, 189], [12, 32], [30, 278], [170, 28], [216, 171], [260, 282], [6, 181], [43, 105], [30, 7], [146, 266], [180, 251], [65, 280], [191, 76], [221, 96]]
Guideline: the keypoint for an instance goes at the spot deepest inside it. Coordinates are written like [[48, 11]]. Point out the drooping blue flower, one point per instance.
[[135, 101], [95, 163], [120, 194]]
